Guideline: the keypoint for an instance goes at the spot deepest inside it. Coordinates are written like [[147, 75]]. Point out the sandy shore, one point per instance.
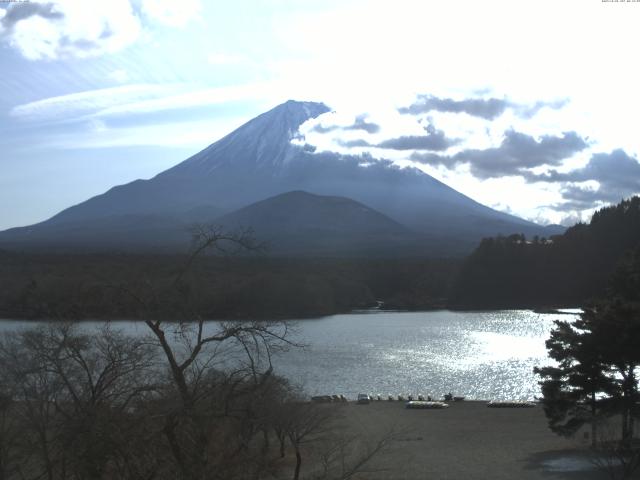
[[468, 441]]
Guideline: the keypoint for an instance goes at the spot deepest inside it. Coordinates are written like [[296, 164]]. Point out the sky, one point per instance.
[[530, 107]]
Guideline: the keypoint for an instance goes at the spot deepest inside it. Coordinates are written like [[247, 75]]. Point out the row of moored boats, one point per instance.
[[419, 401]]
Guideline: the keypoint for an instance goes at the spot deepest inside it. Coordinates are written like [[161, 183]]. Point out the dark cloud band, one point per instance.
[[516, 154], [617, 173], [488, 109], [435, 140]]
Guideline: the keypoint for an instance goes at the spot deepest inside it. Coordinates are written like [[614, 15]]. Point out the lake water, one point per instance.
[[480, 355]]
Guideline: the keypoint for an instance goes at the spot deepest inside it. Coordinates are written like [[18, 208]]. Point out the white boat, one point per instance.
[[426, 405]]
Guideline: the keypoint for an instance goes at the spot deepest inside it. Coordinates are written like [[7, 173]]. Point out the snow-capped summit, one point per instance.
[[263, 143]]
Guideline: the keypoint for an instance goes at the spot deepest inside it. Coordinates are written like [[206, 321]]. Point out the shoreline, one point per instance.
[[360, 311]]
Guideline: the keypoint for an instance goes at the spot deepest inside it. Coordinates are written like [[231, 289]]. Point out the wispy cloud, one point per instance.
[[131, 99], [190, 134], [196, 98], [90, 102]]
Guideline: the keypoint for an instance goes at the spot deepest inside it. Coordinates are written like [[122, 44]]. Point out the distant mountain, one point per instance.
[[300, 223], [258, 161]]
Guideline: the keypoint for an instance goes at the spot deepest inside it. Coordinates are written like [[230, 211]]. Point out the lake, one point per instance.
[[479, 355]]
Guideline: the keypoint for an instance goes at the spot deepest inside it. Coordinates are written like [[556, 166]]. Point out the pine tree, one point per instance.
[[571, 390], [598, 360]]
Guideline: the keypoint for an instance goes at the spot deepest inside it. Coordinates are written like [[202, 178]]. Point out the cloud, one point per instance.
[[354, 143], [616, 169], [21, 11], [578, 198], [360, 123], [516, 154], [194, 134], [571, 218], [435, 140], [528, 111], [190, 99], [488, 109], [72, 106], [69, 28], [171, 12], [319, 128], [82, 29], [617, 173], [582, 198], [435, 159]]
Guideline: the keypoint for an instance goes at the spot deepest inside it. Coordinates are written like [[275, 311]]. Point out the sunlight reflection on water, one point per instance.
[[480, 355]]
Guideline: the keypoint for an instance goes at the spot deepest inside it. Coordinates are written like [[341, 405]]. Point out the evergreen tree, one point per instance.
[[598, 358], [571, 390], [616, 325]]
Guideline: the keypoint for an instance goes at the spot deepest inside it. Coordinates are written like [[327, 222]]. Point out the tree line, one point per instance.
[[256, 287], [564, 270]]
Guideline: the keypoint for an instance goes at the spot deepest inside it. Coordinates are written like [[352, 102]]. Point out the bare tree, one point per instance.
[[346, 456], [617, 458], [306, 423], [10, 433], [192, 349], [317, 432], [73, 393]]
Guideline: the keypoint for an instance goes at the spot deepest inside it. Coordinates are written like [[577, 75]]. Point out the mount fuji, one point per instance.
[[317, 203]]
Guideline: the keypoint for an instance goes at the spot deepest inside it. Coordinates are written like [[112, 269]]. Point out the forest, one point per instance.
[[565, 270], [93, 286]]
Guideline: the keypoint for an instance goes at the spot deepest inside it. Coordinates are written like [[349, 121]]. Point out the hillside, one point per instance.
[[563, 270], [300, 223]]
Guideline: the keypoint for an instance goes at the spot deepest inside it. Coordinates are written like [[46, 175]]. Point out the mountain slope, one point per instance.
[[258, 161]]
